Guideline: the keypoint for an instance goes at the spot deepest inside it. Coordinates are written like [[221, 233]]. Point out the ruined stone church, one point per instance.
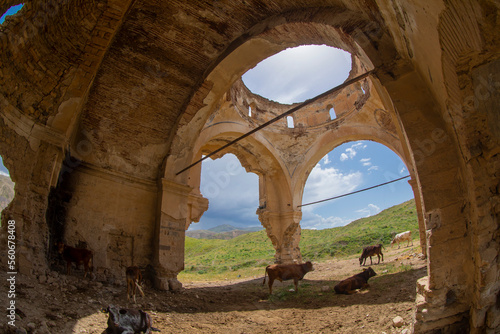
[[104, 103]]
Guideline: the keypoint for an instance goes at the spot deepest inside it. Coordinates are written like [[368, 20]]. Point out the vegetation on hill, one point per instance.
[[249, 252], [224, 232], [351, 239]]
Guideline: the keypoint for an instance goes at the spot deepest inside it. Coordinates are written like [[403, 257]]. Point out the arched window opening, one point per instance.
[[331, 110], [251, 109], [11, 11], [289, 122], [350, 167], [6, 187]]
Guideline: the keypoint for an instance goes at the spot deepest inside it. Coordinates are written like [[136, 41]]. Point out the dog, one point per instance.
[[128, 321]]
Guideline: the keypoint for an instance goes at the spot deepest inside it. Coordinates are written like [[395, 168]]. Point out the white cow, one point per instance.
[[402, 237]]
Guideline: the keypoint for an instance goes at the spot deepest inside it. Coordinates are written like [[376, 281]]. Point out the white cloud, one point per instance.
[[328, 182], [403, 170], [351, 152], [365, 162], [370, 210], [4, 173], [359, 145], [313, 221], [326, 160], [233, 194], [297, 74], [373, 168]]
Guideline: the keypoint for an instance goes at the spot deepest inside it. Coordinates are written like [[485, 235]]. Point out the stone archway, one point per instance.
[[392, 101], [106, 95]]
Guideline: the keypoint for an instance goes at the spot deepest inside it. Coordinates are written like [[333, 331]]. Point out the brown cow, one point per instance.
[[134, 280], [355, 282], [76, 255], [283, 272], [370, 251]]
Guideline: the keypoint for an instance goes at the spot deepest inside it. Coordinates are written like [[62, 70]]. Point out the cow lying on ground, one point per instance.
[[128, 321], [404, 236], [76, 255], [134, 281], [370, 251], [283, 272], [355, 282]]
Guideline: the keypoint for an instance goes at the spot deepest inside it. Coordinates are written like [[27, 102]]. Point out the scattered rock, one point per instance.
[[398, 322], [325, 288]]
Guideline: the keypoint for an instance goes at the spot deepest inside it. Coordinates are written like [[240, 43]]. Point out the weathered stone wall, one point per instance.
[[114, 215]]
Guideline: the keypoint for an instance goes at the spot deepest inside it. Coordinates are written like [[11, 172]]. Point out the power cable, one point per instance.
[[354, 192]]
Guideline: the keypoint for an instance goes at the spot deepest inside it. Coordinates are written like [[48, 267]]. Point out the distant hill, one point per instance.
[[6, 191], [223, 232], [256, 250]]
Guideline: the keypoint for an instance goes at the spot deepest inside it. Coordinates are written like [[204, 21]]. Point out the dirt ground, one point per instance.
[[71, 304]]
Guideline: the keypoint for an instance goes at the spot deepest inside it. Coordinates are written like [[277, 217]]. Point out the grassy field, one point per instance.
[[248, 255]]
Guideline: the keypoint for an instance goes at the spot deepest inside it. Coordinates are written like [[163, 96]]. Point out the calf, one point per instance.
[[355, 282], [134, 280], [370, 251], [128, 321], [404, 236], [76, 255], [283, 272]]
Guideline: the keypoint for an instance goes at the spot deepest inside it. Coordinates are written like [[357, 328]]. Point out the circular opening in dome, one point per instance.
[[298, 74]]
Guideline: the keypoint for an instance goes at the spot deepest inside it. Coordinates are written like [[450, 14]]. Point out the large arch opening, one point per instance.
[[233, 194], [351, 167], [7, 191]]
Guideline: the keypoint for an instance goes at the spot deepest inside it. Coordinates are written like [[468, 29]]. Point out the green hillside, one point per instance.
[[247, 253], [350, 239]]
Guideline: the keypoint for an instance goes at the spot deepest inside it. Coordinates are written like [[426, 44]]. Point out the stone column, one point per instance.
[[420, 215], [284, 231], [34, 173], [179, 207]]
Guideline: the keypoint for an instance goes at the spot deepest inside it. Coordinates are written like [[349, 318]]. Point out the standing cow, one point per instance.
[[78, 256], [404, 236], [358, 281], [370, 251], [283, 272]]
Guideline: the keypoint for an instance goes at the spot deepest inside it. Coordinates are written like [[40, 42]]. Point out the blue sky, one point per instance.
[[10, 11], [295, 75], [3, 170]]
